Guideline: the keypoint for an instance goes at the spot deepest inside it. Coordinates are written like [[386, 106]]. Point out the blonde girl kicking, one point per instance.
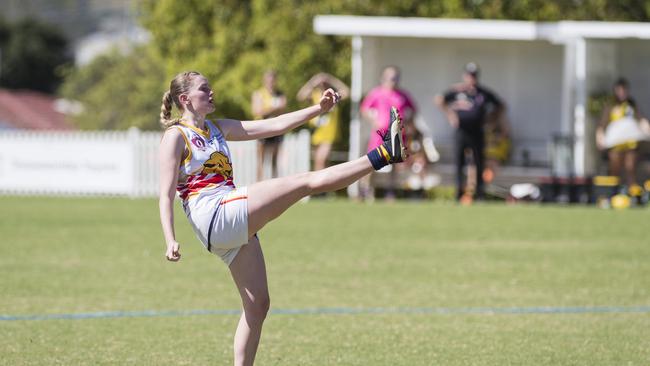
[[195, 163]]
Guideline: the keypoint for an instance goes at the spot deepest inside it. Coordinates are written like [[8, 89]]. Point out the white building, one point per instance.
[[545, 72]]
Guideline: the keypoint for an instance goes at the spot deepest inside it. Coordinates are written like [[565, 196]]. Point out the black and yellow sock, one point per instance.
[[379, 157]]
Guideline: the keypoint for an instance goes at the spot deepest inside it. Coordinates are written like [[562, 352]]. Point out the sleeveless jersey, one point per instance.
[[207, 169], [326, 125], [621, 110]]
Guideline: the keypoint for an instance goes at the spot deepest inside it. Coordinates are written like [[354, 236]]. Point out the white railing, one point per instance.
[[121, 163]]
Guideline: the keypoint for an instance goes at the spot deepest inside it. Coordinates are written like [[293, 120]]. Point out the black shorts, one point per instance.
[[271, 140]]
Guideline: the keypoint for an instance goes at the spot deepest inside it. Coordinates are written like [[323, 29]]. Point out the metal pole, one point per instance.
[[580, 113], [355, 98]]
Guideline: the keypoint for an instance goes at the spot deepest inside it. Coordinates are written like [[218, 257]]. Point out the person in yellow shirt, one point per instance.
[[624, 154], [497, 145], [325, 126], [268, 102]]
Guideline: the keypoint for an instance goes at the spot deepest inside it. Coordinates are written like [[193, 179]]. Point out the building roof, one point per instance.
[[23, 109], [476, 28]]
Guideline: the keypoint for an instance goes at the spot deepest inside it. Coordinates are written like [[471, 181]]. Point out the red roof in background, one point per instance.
[[25, 109]]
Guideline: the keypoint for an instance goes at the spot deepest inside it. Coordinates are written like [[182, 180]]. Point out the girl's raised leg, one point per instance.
[[270, 198]]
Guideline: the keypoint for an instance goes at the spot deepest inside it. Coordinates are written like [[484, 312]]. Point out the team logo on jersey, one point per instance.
[[198, 141], [218, 164]]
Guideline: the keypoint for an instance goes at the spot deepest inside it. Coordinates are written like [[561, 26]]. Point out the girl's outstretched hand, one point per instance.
[[173, 254], [329, 100]]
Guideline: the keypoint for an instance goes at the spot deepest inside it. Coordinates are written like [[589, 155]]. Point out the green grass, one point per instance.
[[64, 256]]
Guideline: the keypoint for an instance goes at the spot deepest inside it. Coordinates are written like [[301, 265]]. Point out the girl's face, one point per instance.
[[621, 92], [200, 96]]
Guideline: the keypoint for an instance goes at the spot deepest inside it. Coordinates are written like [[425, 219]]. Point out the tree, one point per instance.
[[118, 91], [235, 41], [32, 55]]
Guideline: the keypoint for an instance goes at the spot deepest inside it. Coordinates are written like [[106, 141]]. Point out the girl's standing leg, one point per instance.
[[260, 159], [615, 162], [268, 199], [274, 149], [249, 272], [321, 155], [630, 167]]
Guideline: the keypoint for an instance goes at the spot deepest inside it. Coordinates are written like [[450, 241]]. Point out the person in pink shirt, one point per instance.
[[375, 108]]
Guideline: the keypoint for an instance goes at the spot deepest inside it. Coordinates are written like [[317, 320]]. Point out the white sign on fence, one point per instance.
[[83, 163], [112, 163]]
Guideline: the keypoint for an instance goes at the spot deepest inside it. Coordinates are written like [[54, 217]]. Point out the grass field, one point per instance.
[[351, 284]]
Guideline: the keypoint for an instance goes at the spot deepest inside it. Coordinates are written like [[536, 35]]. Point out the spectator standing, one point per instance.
[[467, 106], [497, 146], [624, 154], [375, 109], [267, 102], [326, 126]]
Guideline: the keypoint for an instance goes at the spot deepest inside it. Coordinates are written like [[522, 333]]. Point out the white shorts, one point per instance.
[[221, 224]]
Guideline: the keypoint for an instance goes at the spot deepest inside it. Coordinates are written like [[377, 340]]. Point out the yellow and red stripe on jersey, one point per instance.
[[196, 183]]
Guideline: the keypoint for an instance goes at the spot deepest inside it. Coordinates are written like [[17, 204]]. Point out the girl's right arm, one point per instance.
[[235, 130], [172, 147]]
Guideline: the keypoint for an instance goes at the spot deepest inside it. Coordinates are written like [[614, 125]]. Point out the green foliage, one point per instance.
[[545, 10], [32, 55], [234, 42], [597, 103], [118, 91]]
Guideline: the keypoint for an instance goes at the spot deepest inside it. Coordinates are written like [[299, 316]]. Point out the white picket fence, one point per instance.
[[123, 163]]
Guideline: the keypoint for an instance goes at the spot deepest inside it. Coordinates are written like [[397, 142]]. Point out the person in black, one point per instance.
[[467, 106]]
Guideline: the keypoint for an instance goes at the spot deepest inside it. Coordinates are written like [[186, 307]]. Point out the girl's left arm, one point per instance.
[[252, 130], [643, 121]]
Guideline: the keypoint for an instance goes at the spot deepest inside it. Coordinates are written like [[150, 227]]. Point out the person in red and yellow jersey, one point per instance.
[[195, 163]]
